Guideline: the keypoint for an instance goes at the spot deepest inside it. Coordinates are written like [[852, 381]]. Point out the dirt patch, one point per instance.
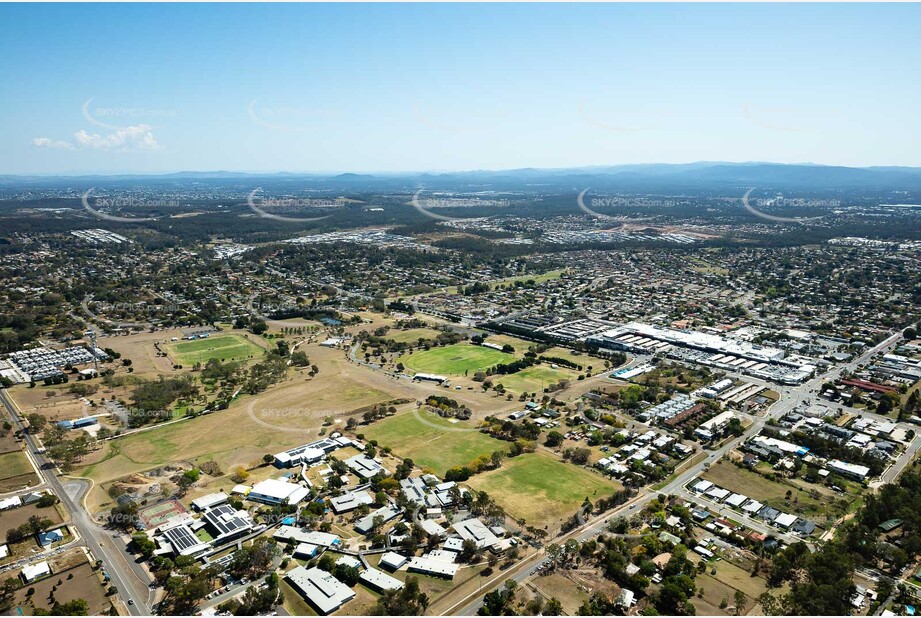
[[13, 518], [76, 582]]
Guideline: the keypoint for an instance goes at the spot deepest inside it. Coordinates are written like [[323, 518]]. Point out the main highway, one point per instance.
[[117, 563], [791, 397]]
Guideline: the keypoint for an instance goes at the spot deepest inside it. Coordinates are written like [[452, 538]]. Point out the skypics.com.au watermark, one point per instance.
[[131, 308], [105, 117], [753, 206], [121, 203], [285, 419], [287, 118], [425, 204], [291, 203], [589, 205]]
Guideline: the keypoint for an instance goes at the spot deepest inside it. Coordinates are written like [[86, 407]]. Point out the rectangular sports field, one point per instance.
[[158, 514], [411, 335], [221, 347], [535, 379], [455, 359], [541, 488], [431, 441]]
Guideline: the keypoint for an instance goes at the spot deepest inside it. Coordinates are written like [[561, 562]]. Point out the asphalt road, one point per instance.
[[115, 562], [791, 397]]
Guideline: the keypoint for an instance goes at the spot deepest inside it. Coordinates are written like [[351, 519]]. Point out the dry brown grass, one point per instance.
[[85, 584]]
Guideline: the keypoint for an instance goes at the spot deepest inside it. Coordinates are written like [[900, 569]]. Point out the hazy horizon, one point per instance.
[[410, 172]]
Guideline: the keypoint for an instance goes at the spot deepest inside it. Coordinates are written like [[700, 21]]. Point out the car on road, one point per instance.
[[130, 601]]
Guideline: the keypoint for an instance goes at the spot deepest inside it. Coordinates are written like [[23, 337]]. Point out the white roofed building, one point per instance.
[[319, 588], [276, 491], [31, 572]]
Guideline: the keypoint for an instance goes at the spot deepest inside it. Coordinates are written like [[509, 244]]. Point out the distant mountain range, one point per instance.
[[657, 177]]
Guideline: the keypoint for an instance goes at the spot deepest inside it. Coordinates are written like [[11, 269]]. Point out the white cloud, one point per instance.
[[46, 142], [137, 137]]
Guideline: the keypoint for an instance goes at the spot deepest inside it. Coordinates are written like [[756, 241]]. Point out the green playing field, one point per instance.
[[455, 359], [221, 347]]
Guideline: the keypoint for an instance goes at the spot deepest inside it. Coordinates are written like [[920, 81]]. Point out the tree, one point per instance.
[[468, 551], [124, 516], [553, 607], [496, 458], [76, 607], [7, 590], [252, 560], [46, 500], [740, 602], [408, 601], [240, 474], [36, 422], [554, 439], [142, 544]]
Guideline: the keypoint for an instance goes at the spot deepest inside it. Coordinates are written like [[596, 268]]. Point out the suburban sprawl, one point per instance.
[[493, 397]]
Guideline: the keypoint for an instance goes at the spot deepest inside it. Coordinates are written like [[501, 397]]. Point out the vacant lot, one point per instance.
[[221, 347], [15, 472], [13, 518], [542, 489], [139, 347], [754, 485], [723, 586], [455, 359], [84, 584], [8, 442], [14, 463], [431, 441], [569, 593], [301, 405]]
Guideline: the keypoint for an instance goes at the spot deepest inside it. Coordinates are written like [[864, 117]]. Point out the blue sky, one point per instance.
[[350, 87]]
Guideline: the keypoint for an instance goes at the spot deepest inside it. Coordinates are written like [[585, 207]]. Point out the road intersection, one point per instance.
[[117, 563], [791, 398]]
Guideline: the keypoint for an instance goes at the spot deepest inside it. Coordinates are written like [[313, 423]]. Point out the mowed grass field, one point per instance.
[[455, 359], [411, 335], [432, 442], [14, 463], [221, 347], [535, 379], [542, 489]]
